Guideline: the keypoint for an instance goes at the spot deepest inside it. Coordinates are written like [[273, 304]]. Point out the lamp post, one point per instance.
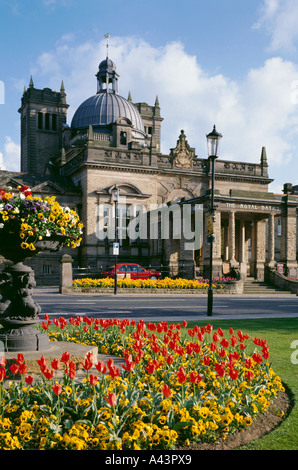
[[115, 198], [212, 145]]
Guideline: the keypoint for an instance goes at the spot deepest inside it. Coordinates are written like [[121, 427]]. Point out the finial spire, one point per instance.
[[31, 85], [107, 36]]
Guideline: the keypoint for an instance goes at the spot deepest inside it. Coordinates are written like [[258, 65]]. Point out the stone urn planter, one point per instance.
[[18, 310], [28, 225]]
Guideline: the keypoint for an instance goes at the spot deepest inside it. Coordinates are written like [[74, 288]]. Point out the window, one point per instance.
[[279, 227], [47, 269], [123, 138], [54, 122], [40, 120], [47, 121]]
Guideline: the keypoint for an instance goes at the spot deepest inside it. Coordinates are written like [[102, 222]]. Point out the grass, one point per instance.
[[280, 334]]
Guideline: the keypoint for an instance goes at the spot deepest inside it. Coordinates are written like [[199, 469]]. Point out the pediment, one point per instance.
[[126, 189], [11, 182], [48, 187]]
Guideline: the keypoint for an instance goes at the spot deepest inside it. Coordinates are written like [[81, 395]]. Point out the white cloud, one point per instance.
[[10, 158], [279, 18], [255, 112]]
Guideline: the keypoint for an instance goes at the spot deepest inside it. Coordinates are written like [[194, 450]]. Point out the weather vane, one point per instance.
[[107, 36]]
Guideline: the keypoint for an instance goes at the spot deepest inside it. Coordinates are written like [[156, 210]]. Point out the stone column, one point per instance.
[[242, 251], [260, 249], [217, 261], [288, 239], [226, 241], [232, 239], [271, 242]]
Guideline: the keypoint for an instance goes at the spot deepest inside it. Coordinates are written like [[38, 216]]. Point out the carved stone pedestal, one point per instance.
[[19, 312]]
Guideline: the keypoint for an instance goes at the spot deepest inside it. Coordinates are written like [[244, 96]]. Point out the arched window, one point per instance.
[[123, 138]]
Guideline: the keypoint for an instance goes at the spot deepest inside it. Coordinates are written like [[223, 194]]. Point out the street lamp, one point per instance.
[[115, 199], [212, 144]]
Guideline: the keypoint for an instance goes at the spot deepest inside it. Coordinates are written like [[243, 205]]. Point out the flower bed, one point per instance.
[[152, 284], [177, 386]]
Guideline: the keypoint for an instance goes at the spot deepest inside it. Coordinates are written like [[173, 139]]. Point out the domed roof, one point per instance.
[[106, 108]]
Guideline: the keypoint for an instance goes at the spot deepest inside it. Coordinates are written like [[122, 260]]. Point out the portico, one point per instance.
[[246, 239]]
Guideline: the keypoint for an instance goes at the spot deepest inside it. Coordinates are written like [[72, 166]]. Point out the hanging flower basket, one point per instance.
[[30, 224]]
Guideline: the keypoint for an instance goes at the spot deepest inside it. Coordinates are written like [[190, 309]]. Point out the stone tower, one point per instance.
[[43, 114]]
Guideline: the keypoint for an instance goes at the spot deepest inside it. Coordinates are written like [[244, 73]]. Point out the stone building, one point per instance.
[[113, 142]]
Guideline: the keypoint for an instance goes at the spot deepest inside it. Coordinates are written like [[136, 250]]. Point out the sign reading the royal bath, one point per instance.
[[251, 207]]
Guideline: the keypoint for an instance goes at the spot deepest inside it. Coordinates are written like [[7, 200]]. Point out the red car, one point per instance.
[[131, 271]]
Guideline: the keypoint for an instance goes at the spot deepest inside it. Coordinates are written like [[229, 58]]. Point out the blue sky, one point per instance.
[[229, 62]]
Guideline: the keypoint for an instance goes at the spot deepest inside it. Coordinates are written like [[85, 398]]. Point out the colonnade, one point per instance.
[[247, 242]]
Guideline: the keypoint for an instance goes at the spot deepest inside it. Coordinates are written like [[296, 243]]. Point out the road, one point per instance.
[[165, 307]]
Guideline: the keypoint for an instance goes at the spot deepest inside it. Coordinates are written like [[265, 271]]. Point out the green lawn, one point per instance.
[[280, 334]]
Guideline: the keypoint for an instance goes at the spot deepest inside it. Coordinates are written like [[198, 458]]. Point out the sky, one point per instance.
[[233, 63]]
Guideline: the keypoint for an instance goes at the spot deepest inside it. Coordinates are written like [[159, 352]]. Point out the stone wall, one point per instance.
[[281, 281]]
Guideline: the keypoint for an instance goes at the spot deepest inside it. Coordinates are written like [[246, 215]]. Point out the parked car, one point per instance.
[[131, 271]]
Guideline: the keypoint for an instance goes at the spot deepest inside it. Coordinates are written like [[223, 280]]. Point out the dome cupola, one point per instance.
[[107, 106]]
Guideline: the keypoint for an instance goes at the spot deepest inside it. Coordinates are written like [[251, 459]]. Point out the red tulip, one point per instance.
[[181, 374], [88, 363], [257, 358], [150, 368], [216, 337], [42, 362], [249, 375], [14, 368], [130, 364], [233, 374], [48, 373], [166, 391], [195, 378], [20, 359], [93, 379], [3, 361], [65, 357], [29, 379], [57, 389], [225, 343], [112, 399], [101, 367], [220, 369], [169, 360], [55, 364], [22, 368], [206, 360], [71, 372], [2, 374], [265, 352], [113, 371]]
